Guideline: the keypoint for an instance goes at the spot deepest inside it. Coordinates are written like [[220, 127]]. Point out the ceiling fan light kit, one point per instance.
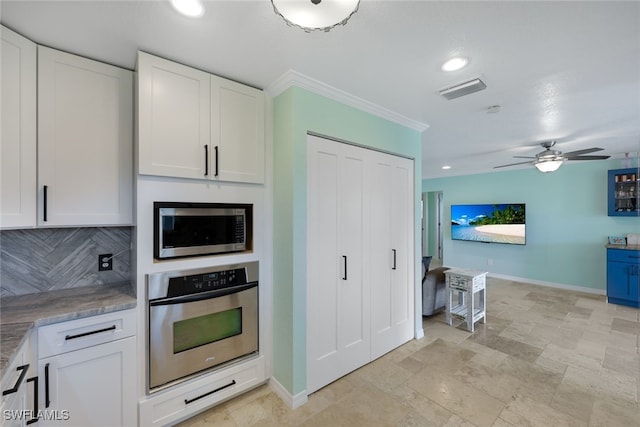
[[315, 15], [548, 165]]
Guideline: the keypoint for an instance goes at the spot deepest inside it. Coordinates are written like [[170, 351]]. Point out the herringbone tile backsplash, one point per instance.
[[38, 260]]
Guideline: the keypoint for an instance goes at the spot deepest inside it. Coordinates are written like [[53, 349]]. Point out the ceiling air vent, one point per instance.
[[463, 89]]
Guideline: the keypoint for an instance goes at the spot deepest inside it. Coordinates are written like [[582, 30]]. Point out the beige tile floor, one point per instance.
[[546, 357]]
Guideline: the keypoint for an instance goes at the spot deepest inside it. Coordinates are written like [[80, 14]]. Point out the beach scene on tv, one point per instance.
[[503, 223]]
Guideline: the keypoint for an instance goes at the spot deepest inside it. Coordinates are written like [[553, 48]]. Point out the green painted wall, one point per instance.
[[567, 222], [297, 111]]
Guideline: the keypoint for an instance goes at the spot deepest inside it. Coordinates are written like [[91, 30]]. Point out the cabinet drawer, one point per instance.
[[76, 334], [180, 403], [623, 255]]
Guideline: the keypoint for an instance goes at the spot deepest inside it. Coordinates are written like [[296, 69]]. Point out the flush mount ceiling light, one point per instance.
[[190, 8], [315, 15], [454, 64]]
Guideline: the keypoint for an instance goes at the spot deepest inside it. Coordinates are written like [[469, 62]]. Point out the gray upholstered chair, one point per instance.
[[433, 291]]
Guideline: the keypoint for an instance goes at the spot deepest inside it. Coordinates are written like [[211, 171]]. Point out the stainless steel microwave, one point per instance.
[[197, 229]]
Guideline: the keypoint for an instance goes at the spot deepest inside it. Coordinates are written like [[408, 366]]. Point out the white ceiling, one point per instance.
[[568, 71]]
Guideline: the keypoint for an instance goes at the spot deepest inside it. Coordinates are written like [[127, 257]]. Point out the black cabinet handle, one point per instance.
[[206, 160], [394, 260], [35, 399], [344, 257], [23, 372], [84, 334], [47, 401], [217, 155], [44, 203], [187, 401]]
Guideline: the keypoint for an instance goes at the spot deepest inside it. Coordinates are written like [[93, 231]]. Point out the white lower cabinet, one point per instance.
[[178, 403], [360, 252], [19, 404], [88, 371]]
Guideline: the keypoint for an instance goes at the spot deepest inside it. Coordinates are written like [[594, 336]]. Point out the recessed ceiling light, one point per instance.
[[191, 8], [445, 167], [455, 64]]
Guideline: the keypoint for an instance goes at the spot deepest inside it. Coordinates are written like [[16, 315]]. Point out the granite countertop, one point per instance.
[[21, 313], [626, 247]]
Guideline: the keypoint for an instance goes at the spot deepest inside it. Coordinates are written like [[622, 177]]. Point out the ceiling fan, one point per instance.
[[550, 160]]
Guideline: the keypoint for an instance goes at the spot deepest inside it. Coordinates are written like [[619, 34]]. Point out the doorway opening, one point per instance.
[[432, 227]]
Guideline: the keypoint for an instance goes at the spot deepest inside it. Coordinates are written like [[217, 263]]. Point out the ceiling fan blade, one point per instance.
[[523, 157], [510, 164], [587, 157], [579, 152]]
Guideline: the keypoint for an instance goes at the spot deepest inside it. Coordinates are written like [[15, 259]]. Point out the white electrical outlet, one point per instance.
[[490, 261]]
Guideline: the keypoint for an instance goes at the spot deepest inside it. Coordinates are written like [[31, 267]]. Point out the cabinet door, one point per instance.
[[623, 281], [237, 131], [173, 119], [338, 312], [18, 140], [390, 219], [20, 382], [623, 188], [84, 141], [95, 386]]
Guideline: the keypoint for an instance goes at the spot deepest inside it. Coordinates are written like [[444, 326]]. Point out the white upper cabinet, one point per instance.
[[85, 141], [173, 119], [237, 131], [196, 125], [18, 143]]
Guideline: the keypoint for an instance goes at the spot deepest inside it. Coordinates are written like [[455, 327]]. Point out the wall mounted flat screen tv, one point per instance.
[[499, 223]]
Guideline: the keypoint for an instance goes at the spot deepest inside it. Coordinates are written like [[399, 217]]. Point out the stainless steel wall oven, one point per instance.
[[199, 319]]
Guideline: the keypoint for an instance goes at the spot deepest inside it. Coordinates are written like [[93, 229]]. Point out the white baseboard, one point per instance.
[[291, 401], [419, 333], [549, 284]]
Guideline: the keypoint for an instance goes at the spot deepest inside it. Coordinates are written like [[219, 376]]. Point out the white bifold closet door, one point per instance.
[[337, 298], [359, 257], [390, 204]]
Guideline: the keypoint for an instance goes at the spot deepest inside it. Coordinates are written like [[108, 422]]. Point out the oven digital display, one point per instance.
[[202, 330]]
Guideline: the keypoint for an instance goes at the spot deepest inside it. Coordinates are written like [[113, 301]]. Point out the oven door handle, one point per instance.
[[203, 296]]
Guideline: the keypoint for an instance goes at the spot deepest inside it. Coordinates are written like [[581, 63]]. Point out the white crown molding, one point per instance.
[[294, 78]]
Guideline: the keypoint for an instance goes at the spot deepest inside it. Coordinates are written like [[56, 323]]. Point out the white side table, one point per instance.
[[466, 296]]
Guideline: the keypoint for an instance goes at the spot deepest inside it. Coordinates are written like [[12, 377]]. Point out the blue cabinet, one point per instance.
[[623, 277], [624, 199]]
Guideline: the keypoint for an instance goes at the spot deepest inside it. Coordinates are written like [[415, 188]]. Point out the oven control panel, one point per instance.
[[178, 283], [186, 285]]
